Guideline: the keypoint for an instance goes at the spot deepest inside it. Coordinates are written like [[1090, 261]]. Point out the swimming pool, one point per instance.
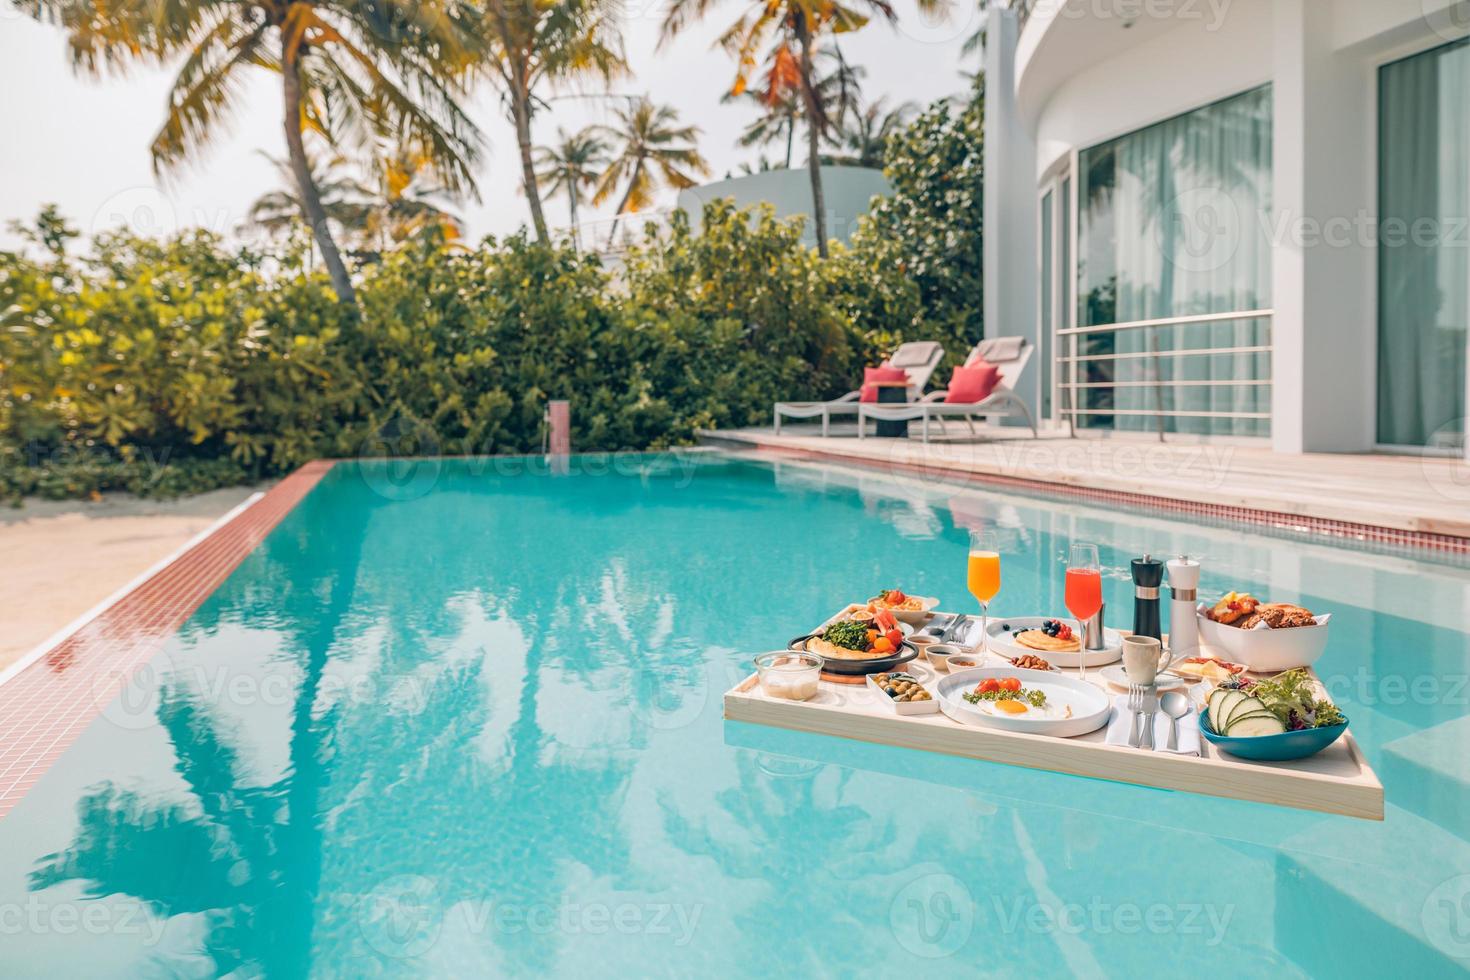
[[466, 720]]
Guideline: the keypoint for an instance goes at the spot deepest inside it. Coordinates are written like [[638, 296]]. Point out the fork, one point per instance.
[[1135, 708]]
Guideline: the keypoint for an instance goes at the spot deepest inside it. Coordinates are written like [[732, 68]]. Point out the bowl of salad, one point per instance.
[[1273, 720]]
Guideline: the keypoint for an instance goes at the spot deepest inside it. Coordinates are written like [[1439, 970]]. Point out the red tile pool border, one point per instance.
[[50, 702], [1297, 523]]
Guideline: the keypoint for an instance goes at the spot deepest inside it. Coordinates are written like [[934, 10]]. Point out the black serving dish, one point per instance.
[[857, 668]]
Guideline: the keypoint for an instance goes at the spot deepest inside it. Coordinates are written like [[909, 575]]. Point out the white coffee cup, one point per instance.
[[1143, 658]]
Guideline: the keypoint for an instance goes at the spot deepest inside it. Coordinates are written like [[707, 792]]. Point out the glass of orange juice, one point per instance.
[[983, 576]]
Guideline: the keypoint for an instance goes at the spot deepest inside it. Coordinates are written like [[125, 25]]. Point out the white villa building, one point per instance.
[[1235, 218]]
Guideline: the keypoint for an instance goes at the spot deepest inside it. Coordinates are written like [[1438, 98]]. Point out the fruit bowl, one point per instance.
[[1273, 748], [1265, 651]]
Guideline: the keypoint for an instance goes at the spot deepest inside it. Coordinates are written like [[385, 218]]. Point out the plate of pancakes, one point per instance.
[[1016, 636]]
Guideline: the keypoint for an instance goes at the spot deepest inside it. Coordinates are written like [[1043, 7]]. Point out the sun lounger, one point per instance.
[[1009, 354], [918, 358]]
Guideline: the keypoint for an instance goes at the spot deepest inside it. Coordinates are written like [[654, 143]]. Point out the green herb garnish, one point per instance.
[[847, 634], [1036, 699]]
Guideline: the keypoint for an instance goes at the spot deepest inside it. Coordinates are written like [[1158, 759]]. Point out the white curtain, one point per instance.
[[1423, 252], [1174, 221]]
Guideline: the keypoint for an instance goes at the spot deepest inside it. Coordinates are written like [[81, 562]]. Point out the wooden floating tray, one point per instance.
[[1336, 780]]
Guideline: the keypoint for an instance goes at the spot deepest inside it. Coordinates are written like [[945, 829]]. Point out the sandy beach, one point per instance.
[[63, 557]]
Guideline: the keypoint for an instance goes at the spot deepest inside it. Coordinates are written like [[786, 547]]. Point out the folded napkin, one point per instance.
[[1121, 722]]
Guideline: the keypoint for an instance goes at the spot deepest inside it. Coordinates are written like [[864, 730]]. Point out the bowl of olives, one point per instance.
[[903, 693]]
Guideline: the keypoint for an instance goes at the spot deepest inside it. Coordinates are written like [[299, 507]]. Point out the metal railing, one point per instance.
[[1071, 365], [613, 237]]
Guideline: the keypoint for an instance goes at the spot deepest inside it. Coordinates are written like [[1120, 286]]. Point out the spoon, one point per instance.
[[1176, 706]]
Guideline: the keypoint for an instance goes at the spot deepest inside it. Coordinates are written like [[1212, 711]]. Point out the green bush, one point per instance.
[[929, 231], [166, 367], [169, 367]]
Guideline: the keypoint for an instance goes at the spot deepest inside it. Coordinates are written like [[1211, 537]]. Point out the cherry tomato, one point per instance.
[[896, 597], [895, 637], [1010, 684], [988, 685]]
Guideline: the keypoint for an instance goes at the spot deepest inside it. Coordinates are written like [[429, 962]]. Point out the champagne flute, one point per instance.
[[1083, 594], [983, 577]]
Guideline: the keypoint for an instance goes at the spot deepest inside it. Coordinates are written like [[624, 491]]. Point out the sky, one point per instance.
[[82, 143]]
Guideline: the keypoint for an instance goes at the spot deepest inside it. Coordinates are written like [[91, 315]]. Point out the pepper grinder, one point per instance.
[[1148, 575], [1183, 626]]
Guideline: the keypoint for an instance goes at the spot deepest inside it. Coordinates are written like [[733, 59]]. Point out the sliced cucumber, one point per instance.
[[1212, 710], [1220, 710], [1241, 708], [1255, 724]]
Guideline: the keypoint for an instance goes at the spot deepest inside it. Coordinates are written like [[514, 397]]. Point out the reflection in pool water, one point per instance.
[[477, 728]]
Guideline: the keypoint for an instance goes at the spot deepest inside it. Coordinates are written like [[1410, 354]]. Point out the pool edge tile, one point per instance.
[[47, 704]]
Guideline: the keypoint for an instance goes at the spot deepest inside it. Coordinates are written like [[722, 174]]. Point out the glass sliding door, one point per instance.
[[1055, 304], [1423, 252], [1046, 337], [1173, 221]]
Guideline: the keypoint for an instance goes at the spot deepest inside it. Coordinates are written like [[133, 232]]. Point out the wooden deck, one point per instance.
[[1410, 499]]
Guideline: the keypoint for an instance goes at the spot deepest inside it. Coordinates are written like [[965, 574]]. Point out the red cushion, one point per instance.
[[873, 375], [973, 384]]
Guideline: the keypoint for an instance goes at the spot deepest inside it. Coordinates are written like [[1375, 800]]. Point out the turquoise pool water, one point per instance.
[[466, 720]]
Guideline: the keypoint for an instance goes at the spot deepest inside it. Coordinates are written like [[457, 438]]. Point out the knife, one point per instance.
[[1150, 709], [954, 624]]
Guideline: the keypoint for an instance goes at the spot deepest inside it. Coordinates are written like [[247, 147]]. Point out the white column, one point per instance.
[[1010, 262], [1324, 207]]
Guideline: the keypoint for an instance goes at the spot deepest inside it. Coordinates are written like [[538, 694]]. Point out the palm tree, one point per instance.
[[780, 98], [538, 41], [571, 166], [279, 213], [865, 137], [793, 29], [364, 72], [405, 201], [654, 146]]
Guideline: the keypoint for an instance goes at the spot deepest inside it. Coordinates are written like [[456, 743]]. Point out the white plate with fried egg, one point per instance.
[[1072, 707]]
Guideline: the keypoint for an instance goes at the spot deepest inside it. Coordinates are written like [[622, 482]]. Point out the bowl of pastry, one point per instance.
[[1268, 637]]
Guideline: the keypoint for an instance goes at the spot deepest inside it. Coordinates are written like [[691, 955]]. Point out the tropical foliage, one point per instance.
[[536, 43], [654, 150], [932, 224], [792, 32], [356, 75], [778, 96], [163, 367], [571, 167]]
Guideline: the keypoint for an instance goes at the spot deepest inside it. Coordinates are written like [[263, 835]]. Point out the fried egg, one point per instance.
[[1022, 709]]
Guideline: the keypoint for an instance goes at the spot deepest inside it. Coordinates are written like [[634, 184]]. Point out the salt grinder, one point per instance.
[[1183, 626], [1148, 575]]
